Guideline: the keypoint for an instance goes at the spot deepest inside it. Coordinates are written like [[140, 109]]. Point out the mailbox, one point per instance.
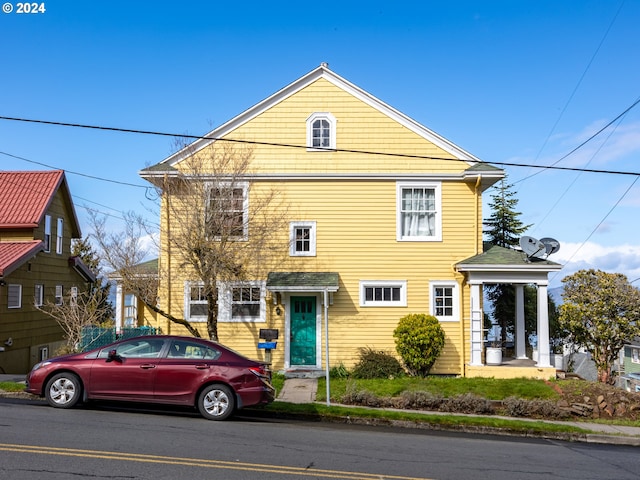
[[269, 334]]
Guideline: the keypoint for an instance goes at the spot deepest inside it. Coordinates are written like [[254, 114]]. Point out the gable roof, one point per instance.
[[14, 254], [25, 197], [321, 72]]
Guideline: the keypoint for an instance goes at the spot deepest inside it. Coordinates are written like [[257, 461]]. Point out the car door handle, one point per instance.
[[202, 367], [147, 366]]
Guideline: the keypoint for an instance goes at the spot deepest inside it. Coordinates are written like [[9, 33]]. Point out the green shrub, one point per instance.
[[419, 341], [377, 364], [339, 371]]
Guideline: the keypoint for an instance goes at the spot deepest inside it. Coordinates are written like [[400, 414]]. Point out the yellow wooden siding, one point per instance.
[[358, 127]]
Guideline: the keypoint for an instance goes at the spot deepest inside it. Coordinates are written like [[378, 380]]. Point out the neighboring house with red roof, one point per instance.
[[37, 223]]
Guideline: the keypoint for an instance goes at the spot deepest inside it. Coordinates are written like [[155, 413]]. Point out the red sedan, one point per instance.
[[156, 369]]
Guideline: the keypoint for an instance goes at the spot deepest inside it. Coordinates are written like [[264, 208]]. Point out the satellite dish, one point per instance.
[[533, 247], [551, 245]]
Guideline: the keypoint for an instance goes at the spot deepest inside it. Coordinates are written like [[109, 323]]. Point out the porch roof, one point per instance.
[[499, 258], [303, 281]]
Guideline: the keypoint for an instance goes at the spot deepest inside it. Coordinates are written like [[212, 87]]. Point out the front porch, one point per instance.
[[511, 368]]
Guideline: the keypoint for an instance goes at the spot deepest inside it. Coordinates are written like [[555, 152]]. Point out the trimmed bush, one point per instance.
[[419, 341], [377, 364]]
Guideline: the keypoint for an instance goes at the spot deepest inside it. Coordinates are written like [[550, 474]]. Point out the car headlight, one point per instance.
[[40, 365]]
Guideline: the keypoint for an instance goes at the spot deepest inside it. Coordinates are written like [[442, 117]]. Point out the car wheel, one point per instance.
[[63, 390], [216, 402]]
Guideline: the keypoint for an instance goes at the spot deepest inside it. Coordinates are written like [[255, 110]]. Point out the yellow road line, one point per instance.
[[197, 462]]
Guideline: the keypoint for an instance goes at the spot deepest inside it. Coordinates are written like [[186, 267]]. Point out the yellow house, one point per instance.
[[374, 217]]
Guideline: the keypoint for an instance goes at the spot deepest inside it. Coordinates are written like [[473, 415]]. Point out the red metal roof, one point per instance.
[[14, 254], [25, 196]]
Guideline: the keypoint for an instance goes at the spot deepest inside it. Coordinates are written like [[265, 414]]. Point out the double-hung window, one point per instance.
[[38, 294], [302, 239], [47, 233], [59, 293], [444, 300], [14, 296], [383, 293], [419, 215], [195, 300], [227, 214], [321, 131], [242, 302], [635, 355], [59, 236]]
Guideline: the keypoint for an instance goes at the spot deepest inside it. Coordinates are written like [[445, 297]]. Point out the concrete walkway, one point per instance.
[[299, 390]]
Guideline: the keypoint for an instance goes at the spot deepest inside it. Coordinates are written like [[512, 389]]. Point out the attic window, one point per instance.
[[321, 131]]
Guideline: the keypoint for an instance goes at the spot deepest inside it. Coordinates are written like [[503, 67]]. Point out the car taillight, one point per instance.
[[261, 372]]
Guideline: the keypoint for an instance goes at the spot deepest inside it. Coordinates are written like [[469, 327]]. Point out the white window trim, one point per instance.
[[187, 303], [13, 286], [383, 283], [437, 186], [635, 355], [455, 316], [38, 294], [59, 235], [47, 233], [245, 205], [312, 239], [225, 290], [332, 133]]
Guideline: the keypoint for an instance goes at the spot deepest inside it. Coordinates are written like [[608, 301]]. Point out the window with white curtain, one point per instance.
[[419, 216], [59, 236]]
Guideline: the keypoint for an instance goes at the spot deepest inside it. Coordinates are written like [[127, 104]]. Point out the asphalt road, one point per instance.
[[112, 442]]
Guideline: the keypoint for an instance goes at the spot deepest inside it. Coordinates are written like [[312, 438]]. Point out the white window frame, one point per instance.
[[47, 233], [382, 284], [225, 302], [14, 294], [332, 131], [59, 294], [455, 299], [635, 355], [437, 235], [245, 205], [38, 294], [59, 235], [293, 226], [188, 302]]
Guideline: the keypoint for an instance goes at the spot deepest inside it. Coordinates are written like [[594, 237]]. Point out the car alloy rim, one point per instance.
[[62, 391], [216, 402]]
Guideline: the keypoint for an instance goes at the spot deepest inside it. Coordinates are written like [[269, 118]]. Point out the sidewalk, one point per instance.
[[303, 390]]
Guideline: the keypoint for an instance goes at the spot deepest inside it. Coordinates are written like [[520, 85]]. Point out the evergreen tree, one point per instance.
[[504, 228]]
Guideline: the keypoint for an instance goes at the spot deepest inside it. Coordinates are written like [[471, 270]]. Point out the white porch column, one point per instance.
[[476, 325], [119, 307], [520, 330], [543, 327]]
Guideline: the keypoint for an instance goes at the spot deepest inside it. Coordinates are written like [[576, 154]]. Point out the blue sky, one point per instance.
[[521, 82]]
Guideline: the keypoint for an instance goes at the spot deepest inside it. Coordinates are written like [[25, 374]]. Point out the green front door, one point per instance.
[[302, 349]]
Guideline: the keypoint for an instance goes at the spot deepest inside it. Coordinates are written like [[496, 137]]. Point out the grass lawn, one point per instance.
[[489, 388]]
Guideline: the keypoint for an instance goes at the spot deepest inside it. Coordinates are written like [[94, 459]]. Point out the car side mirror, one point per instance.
[[113, 355]]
